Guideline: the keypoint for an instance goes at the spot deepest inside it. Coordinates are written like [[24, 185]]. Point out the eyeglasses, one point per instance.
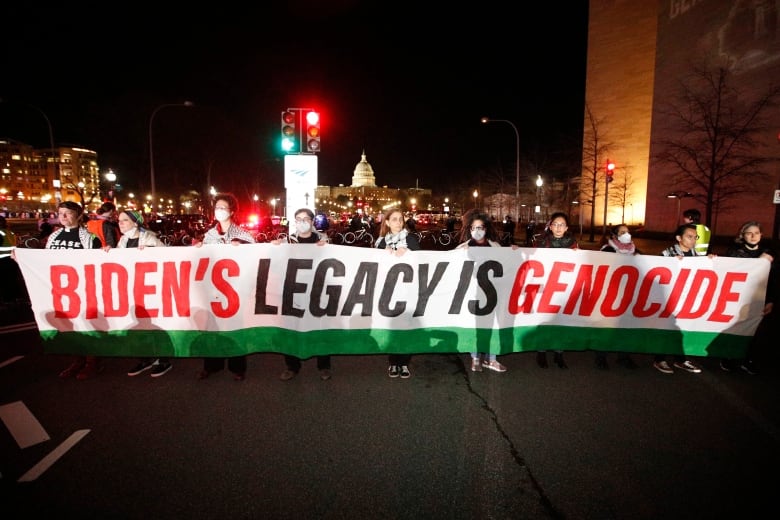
[[477, 228]]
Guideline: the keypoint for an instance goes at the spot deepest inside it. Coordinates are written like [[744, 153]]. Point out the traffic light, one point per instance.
[[312, 131], [289, 137], [610, 170]]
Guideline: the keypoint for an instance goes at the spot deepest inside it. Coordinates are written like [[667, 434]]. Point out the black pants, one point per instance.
[[293, 363], [236, 364], [399, 359]]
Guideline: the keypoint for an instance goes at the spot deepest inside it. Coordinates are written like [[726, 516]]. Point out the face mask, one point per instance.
[[625, 238], [478, 234], [221, 215], [302, 227]]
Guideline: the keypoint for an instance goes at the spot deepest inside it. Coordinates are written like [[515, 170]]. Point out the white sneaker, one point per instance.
[[688, 366], [494, 365], [663, 366]]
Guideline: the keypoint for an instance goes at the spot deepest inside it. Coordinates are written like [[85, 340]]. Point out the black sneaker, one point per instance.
[[161, 368], [142, 366], [601, 362], [541, 359], [405, 374], [558, 358], [749, 367], [727, 365]]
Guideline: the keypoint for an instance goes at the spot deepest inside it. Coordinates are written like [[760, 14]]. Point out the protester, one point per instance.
[[703, 233], [134, 234], [686, 238], [104, 226], [748, 245], [73, 235], [305, 234], [396, 237], [556, 235], [620, 242], [478, 231], [225, 231]]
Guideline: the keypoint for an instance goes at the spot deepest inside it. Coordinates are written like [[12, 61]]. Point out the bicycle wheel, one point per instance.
[[349, 238], [32, 243]]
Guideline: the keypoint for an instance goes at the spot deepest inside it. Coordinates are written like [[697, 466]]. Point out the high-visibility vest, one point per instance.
[[95, 226]]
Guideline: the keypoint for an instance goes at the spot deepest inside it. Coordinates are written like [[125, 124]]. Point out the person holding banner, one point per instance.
[[748, 245], [135, 235], [74, 235], [556, 235], [396, 238], [686, 237], [225, 231], [478, 231], [620, 242], [305, 234]]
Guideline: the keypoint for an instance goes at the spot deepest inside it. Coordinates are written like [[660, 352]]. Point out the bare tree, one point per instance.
[[620, 190], [714, 143], [595, 147]]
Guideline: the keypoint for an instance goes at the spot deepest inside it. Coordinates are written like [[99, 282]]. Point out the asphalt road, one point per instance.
[[447, 443]]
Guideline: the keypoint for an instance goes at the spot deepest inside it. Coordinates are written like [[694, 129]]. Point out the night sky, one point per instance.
[[407, 87]]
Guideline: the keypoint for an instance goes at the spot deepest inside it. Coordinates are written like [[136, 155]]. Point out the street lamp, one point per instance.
[[476, 194], [111, 178], [54, 158], [151, 153], [517, 159], [539, 183], [678, 195]]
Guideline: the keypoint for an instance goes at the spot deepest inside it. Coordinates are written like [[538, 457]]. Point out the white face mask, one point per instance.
[[625, 238], [221, 215], [302, 227], [478, 234]]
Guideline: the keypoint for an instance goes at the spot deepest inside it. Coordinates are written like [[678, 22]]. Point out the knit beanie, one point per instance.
[[135, 216]]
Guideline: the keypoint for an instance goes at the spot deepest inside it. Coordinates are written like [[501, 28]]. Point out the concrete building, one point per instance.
[[639, 53]]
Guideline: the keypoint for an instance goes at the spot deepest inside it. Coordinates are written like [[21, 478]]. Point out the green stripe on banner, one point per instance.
[[141, 343]]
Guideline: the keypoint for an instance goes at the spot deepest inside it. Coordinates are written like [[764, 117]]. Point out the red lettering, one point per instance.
[[553, 285], [232, 305], [674, 296], [178, 290], [534, 268], [109, 273], [726, 296], [141, 289], [582, 286], [702, 277], [642, 309], [64, 281]]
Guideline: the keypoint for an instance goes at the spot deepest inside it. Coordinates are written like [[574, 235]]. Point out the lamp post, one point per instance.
[[539, 184], [54, 158], [111, 178], [517, 159], [151, 153], [678, 195], [476, 194]]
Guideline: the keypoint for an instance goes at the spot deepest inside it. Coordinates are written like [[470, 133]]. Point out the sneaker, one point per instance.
[[287, 375], [325, 374], [541, 359], [749, 367], [727, 365], [688, 366], [140, 367], [558, 358], [73, 369], [663, 366], [160, 369], [393, 371], [476, 366], [494, 365], [601, 362], [89, 371], [405, 374]]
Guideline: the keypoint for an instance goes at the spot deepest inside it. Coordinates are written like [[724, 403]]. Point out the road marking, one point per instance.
[[11, 360], [37, 470], [22, 424], [19, 327]]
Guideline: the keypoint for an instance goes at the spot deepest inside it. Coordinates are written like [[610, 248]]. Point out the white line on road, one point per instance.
[[37, 470], [22, 424]]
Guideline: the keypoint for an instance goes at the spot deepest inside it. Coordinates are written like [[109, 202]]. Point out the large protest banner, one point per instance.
[[308, 300]]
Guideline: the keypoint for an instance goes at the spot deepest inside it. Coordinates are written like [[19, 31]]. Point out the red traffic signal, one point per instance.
[[610, 170], [312, 131]]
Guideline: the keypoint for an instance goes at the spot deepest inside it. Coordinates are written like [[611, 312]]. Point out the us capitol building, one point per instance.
[[364, 196]]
